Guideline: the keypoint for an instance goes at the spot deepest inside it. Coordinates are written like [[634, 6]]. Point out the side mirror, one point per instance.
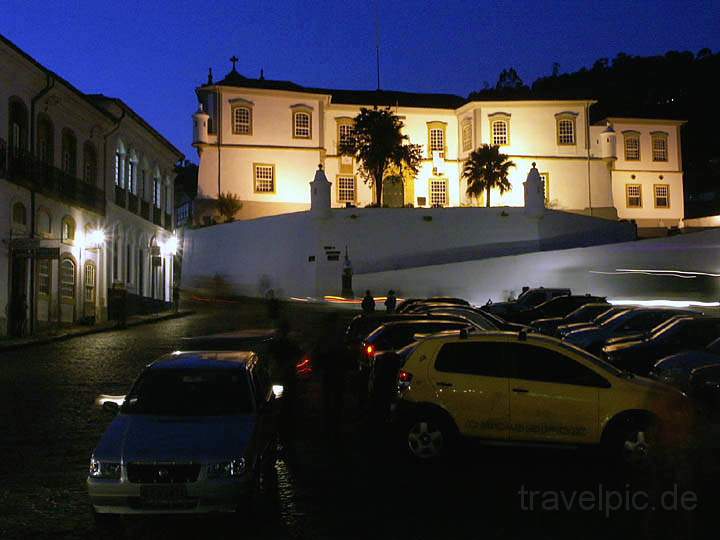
[[111, 407]]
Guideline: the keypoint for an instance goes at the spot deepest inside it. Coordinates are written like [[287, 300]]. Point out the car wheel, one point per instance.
[[632, 442], [428, 438]]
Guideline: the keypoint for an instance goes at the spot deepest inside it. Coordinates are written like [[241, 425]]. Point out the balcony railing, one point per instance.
[[120, 196], [133, 203], [157, 214], [22, 168]]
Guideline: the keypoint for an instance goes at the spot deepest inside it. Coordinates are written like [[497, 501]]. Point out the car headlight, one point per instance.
[[104, 469], [227, 469]]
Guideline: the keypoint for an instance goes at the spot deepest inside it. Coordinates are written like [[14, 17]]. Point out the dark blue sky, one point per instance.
[[152, 54]]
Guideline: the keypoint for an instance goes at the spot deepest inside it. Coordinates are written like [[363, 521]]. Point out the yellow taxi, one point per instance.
[[518, 388]]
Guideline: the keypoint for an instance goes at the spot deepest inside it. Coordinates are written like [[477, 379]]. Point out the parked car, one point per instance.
[[515, 388], [527, 299], [682, 334], [629, 322], [564, 329], [195, 434], [705, 389], [362, 326], [471, 313], [410, 302], [556, 307], [675, 369], [584, 314]]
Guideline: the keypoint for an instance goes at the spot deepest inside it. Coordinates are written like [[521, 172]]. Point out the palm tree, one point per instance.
[[486, 168], [378, 143], [228, 205]]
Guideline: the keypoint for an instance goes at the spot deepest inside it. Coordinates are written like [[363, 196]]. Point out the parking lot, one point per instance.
[[353, 481]]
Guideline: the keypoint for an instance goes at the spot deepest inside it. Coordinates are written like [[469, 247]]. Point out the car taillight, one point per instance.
[[404, 379], [304, 367], [369, 350]]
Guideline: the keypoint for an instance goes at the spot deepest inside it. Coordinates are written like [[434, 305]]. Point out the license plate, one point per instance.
[[163, 494]]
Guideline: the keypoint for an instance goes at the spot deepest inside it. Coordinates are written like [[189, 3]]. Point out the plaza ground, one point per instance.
[[349, 484]]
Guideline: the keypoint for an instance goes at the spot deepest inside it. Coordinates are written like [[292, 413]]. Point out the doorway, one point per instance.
[[17, 314]]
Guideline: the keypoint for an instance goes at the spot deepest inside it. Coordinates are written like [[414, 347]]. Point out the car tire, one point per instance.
[[429, 437], [631, 441]]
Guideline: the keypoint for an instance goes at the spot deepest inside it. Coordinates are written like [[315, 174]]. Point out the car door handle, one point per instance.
[[520, 390], [446, 384]]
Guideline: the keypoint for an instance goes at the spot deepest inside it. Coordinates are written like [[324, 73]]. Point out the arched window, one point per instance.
[[18, 123], [19, 214], [45, 139], [69, 152], [44, 222], [90, 163], [67, 280], [67, 229]]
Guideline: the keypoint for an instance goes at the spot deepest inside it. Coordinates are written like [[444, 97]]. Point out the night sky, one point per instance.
[[152, 54]]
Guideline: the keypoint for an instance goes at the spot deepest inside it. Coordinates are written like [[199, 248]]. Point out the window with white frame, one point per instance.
[[264, 178], [346, 189], [633, 195], [659, 147], [345, 131], [632, 146], [67, 279], [43, 276], [500, 132], [90, 276], [302, 122], [566, 131], [467, 135], [156, 192], [131, 176], [662, 196], [438, 192], [437, 140], [242, 120], [118, 179]]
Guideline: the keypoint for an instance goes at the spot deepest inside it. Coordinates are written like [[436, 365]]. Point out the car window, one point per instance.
[[472, 358], [262, 383], [641, 320], [696, 333], [533, 298], [192, 392], [533, 363]]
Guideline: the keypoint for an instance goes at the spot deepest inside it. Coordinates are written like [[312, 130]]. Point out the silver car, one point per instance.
[[195, 434]]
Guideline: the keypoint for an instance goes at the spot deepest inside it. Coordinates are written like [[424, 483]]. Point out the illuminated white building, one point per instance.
[[85, 200], [262, 140]]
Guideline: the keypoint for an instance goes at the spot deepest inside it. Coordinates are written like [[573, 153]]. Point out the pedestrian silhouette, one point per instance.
[[368, 303], [391, 301]]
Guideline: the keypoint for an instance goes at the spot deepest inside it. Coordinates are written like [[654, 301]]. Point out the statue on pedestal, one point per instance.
[[534, 193]]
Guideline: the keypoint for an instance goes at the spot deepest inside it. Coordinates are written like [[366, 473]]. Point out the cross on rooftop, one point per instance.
[[234, 59]]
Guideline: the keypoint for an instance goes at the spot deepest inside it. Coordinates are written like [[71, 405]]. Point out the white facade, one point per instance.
[[581, 171], [58, 199]]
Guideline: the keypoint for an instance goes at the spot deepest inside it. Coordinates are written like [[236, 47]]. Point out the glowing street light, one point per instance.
[[94, 239], [169, 246]]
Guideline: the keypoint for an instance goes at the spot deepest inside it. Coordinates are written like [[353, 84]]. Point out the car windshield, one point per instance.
[[192, 392], [610, 315], [480, 320], [586, 313]]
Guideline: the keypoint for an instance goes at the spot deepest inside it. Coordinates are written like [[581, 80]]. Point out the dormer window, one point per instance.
[[302, 122], [241, 120]]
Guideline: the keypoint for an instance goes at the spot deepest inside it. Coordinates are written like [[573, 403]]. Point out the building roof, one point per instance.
[[102, 101], [97, 101], [382, 98]]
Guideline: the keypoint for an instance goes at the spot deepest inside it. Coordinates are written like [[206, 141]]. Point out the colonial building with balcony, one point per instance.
[[86, 199]]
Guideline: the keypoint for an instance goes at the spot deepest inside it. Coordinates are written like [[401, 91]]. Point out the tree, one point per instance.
[[487, 168], [228, 205], [509, 80], [378, 143]]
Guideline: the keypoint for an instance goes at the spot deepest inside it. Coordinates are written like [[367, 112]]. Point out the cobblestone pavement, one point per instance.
[[347, 484]]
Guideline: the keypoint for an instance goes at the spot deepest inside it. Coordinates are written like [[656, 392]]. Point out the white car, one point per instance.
[[196, 434]]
